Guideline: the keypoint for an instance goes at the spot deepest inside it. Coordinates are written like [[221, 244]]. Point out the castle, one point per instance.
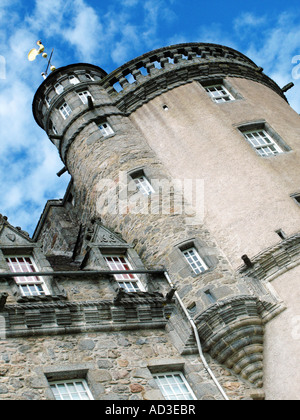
[[169, 270]]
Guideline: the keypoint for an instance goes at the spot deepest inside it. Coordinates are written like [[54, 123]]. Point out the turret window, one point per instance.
[[84, 96], [128, 282], [73, 80], [28, 285], [58, 88], [264, 144], [106, 129], [194, 260], [65, 110], [219, 93]]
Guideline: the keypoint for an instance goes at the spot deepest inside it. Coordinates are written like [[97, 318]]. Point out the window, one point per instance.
[[31, 285], [89, 76], [195, 261], [143, 184], [174, 386], [65, 110], [58, 88], [71, 390], [48, 101], [73, 80], [84, 96], [106, 129], [128, 282], [263, 143], [219, 93]]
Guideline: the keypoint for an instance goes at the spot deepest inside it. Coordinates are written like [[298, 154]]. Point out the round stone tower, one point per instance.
[[191, 153]]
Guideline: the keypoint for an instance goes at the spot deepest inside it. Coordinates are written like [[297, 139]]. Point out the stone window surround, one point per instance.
[[67, 372], [209, 261], [41, 263], [227, 85], [139, 172], [295, 198], [262, 125]]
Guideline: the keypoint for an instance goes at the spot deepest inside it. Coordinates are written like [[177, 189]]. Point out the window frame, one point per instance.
[[142, 183], [25, 280], [85, 94], [59, 88], [65, 106], [73, 80], [261, 147], [120, 278], [221, 98], [198, 260], [106, 131], [87, 390], [178, 395]]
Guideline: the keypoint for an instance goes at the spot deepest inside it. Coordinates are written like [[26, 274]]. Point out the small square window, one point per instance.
[[195, 261], [65, 110], [89, 77], [174, 386], [106, 129], [219, 93], [28, 285], [74, 390], [128, 282]]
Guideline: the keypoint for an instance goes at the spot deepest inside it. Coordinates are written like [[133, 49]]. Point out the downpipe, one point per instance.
[[194, 327]]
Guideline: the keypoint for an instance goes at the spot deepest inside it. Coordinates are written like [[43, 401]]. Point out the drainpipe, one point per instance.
[[209, 371]]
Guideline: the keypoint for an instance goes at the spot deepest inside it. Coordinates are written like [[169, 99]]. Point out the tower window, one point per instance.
[[89, 76], [31, 285], [73, 80], [195, 261], [71, 390], [65, 110], [128, 282], [296, 198], [58, 88], [142, 182], [84, 96], [262, 142], [219, 93], [48, 101], [174, 386], [106, 129]]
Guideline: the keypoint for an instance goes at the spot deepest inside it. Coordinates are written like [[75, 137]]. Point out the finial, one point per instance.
[[35, 52]]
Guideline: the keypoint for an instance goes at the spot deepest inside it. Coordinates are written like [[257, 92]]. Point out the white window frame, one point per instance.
[[106, 129], [58, 88], [219, 93], [194, 260], [172, 383], [262, 142], [65, 110], [84, 96], [73, 80], [29, 283], [48, 101], [143, 184], [129, 282], [58, 395]]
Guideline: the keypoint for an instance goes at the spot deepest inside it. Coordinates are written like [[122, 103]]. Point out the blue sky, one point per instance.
[[109, 33]]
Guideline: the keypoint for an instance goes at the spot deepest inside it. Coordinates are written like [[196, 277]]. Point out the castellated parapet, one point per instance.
[[166, 176]]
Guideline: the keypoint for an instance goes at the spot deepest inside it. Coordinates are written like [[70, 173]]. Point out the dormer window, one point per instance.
[[128, 282], [28, 285], [58, 88]]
